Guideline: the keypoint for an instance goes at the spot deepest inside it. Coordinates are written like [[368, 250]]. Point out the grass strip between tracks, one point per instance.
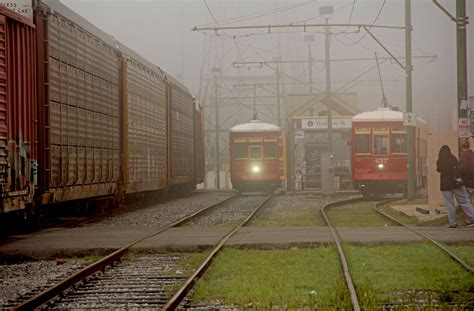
[[310, 278], [263, 278], [383, 271]]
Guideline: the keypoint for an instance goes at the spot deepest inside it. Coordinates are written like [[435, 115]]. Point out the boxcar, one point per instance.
[[199, 152], [255, 156], [18, 160], [379, 152], [181, 136], [83, 118], [79, 106], [144, 131]]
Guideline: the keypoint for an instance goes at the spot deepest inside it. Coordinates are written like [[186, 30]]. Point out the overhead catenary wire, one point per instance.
[[370, 27], [352, 12], [262, 13], [319, 15]]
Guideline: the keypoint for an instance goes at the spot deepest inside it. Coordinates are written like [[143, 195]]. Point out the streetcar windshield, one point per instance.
[[270, 151], [381, 144], [398, 143], [255, 152], [241, 150]]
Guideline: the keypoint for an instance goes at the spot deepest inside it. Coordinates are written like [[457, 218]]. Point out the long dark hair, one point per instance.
[[444, 153]]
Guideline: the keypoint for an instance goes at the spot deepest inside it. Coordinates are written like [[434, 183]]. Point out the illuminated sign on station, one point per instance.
[[320, 124]]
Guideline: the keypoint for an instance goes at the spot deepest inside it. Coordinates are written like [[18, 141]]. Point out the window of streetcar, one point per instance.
[[363, 143], [381, 144], [398, 143], [270, 151], [255, 152], [241, 151]]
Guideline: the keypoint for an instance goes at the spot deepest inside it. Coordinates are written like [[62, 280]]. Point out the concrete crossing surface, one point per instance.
[[86, 240]]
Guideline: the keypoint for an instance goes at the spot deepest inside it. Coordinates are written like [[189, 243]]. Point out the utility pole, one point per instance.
[[310, 75], [309, 39], [461, 55], [254, 102], [461, 21], [310, 69], [216, 107], [277, 73], [327, 39], [409, 93], [290, 155]]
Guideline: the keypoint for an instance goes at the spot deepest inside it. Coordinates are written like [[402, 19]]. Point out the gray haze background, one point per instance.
[[160, 30]]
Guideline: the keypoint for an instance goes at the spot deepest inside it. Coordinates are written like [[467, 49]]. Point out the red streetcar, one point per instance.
[[379, 152], [256, 156]]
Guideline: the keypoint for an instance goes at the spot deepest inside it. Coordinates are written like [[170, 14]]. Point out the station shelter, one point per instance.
[[308, 115]]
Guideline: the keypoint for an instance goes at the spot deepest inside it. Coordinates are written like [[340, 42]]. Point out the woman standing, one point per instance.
[[447, 165]]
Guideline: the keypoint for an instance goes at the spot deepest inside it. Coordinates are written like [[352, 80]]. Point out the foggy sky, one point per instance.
[[161, 32]]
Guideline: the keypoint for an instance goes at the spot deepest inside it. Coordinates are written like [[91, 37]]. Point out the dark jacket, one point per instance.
[[447, 165], [466, 168]]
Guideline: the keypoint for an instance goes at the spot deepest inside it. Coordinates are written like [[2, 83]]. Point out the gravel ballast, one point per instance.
[[31, 277], [162, 214]]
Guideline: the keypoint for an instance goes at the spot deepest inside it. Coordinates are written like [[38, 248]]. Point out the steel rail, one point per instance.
[[178, 297], [442, 247], [342, 257], [48, 294]]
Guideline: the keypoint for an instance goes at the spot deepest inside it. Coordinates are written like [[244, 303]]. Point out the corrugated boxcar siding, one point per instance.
[[146, 129], [199, 144], [17, 109], [84, 114], [182, 140]]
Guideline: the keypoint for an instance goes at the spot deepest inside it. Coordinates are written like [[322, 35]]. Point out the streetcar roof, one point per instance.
[[381, 114], [255, 126]]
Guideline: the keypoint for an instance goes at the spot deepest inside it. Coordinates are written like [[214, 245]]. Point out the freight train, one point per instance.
[[379, 152], [84, 118], [257, 156]]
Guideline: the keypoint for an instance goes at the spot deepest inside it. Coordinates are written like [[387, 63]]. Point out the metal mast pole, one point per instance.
[[216, 94], [310, 75], [410, 130], [278, 94], [461, 22], [254, 102], [310, 69], [328, 83]]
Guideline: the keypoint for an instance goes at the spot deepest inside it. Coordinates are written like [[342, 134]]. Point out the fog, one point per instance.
[[161, 32]]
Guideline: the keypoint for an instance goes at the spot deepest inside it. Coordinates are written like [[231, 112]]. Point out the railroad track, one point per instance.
[[423, 235], [342, 258], [144, 281]]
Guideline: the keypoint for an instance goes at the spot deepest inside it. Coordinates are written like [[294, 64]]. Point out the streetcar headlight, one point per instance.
[[380, 166], [256, 169]]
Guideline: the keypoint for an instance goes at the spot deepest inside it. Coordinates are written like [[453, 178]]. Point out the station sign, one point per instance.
[[322, 124], [23, 7]]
